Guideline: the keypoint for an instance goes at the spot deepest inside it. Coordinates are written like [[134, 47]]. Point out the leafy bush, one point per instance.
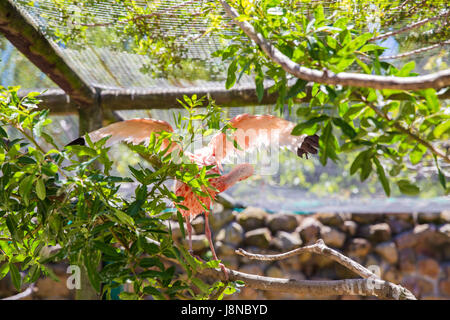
[[63, 205]]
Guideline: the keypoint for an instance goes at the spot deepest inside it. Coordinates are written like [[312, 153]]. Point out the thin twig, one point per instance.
[[413, 52], [407, 131], [410, 26]]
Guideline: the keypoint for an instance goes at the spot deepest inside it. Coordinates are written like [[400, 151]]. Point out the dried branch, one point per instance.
[[436, 80], [317, 288], [27, 292], [319, 248], [410, 26], [413, 52], [370, 285]]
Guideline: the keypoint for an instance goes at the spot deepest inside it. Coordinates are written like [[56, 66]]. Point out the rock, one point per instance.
[[424, 287], [226, 201], [428, 217], [358, 247], [252, 269], [332, 237], [392, 274], [282, 222], [274, 272], [199, 242], [225, 249], [252, 218], [373, 263], [218, 218], [198, 224], [290, 264], [233, 233], [444, 287], [388, 251], [407, 260], [50, 289], [445, 216], [230, 261], [420, 234], [445, 229], [398, 225], [248, 293], [405, 217], [258, 237], [332, 219], [366, 218], [285, 241], [175, 227], [309, 230], [350, 227], [429, 267], [376, 232]]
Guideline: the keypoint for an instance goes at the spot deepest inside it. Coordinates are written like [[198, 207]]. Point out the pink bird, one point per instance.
[[250, 132]]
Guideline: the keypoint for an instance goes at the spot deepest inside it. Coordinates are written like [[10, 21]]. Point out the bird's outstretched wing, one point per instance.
[[134, 131], [252, 131]]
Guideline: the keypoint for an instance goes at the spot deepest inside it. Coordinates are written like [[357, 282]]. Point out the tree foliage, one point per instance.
[[63, 204]]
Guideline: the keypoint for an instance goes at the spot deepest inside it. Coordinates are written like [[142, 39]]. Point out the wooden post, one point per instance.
[[90, 118]]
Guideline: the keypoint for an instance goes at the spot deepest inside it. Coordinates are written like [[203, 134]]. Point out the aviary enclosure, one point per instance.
[[160, 150]]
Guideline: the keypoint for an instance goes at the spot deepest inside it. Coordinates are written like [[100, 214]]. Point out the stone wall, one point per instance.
[[409, 249]]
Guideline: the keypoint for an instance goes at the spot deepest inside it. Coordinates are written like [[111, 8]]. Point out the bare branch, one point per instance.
[[413, 52], [410, 26], [317, 288], [436, 80], [319, 248], [29, 291]]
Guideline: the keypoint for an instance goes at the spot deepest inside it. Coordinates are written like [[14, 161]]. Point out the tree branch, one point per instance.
[[410, 26], [317, 288], [436, 80], [29, 291], [319, 248], [407, 131], [413, 52]]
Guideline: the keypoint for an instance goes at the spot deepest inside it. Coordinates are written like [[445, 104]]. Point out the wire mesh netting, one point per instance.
[[108, 60]]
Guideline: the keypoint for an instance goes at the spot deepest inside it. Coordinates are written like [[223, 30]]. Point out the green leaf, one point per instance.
[[231, 75], [181, 223], [25, 187], [346, 128], [15, 276], [128, 296], [298, 87], [406, 69], [106, 249], [382, 176], [33, 274], [4, 269], [201, 285], [123, 217], [441, 176], [152, 291], [298, 129], [441, 129], [151, 262], [407, 188], [40, 189], [366, 169]]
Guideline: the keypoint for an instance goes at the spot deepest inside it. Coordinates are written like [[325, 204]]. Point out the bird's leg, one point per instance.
[[208, 235]]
